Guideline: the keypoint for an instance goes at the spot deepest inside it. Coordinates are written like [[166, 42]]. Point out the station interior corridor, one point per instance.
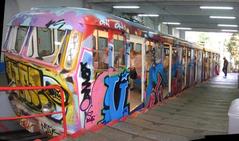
[[199, 111]]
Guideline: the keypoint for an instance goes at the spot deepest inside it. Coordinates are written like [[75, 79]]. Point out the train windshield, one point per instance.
[[47, 44], [39, 43]]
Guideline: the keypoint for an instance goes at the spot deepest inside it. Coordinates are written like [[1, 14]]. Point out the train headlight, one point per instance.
[[47, 108]]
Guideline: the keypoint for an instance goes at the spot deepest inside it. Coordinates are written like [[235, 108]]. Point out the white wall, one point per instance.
[[12, 7]]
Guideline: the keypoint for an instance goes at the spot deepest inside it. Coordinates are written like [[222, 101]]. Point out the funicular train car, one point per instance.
[[107, 66]]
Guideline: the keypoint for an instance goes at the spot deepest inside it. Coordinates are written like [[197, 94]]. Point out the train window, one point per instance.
[[60, 44], [159, 53], [119, 51], [94, 43], [174, 55], [100, 50], [131, 45], [10, 40], [180, 54], [44, 42], [72, 49], [184, 52], [189, 52], [60, 34], [166, 51], [149, 56], [103, 43], [30, 51], [138, 47], [103, 50], [21, 34], [47, 44]]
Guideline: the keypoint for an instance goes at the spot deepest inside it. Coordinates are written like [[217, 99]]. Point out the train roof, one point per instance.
[[71, 18], [68, 18]]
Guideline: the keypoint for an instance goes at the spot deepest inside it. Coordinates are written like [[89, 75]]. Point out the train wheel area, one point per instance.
[[198, 112]]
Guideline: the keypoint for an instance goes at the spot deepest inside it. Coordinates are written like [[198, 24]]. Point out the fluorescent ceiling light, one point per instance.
[[125, 7], [221, 17], [229, 30], [148, 15], [172, 23], [183, 28], [216, 7], [227, 25]]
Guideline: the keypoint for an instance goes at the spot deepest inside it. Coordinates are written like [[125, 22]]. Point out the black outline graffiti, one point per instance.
[[109, 111], [60, 22], [48, 94], [49, 130], [86, 88]]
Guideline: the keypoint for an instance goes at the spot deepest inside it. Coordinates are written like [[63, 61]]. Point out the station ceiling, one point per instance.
[[187, 12]]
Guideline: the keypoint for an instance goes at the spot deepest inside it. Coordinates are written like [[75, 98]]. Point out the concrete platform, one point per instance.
[[6, 109], [199, 111]]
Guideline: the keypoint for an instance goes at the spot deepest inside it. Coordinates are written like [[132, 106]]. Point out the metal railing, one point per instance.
[[56, 87]]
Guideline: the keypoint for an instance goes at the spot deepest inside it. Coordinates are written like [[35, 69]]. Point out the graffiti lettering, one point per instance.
[[104, 22], [154, 88], [48, 129], [119, 26], [29, 124], [89, 115], [58, 23], [24, 75], [26, 123], [115, 101], [85, 73], [86, 103]]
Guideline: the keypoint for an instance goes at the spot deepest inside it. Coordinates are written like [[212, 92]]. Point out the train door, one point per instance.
[[100, 51], [209, 65], [212, 65], [184, 65], [205, 65], [154, 72], [180, 68], [136, 67], [188, 74], [199, 66], [119, 52], [192, 67], [176, 69], [167, 67], [195, 66]]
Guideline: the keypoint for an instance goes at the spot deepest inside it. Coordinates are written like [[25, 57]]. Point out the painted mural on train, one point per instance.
[[108, 67]]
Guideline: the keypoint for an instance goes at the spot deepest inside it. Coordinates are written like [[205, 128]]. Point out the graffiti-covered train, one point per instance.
[[107, 66]]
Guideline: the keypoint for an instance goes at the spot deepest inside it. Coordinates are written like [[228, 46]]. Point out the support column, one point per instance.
[[182, 34], [175, 32], [170, 30], [163, 28]]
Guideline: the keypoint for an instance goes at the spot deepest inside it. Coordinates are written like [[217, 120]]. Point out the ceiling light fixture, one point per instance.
[[216, 7], [172, 23], [125, 7], [221, 17], [183, 28], [227, 25], [229, 30], [148, 15]]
